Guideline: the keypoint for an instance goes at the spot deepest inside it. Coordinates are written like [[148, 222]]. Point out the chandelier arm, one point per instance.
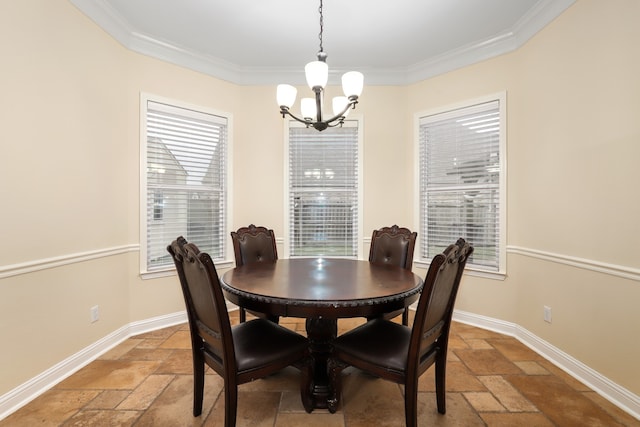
[[285, 111], [320, 124], [352, 104], [339, 123]]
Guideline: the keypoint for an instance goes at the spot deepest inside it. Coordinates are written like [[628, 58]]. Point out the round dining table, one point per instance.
[[321, 290]]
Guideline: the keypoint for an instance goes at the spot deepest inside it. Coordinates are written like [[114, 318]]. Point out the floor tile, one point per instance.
[[492, 380], [108, 399], [561, 404], [315, 419], [95, 417], [458, 378], [484, 402], [618, 414], [516, 420], [255, 409], [459, 412], [180, 339], [530, 367], [506, 394], [513, 349], [174, 406], [564, 376], [50, 409], [369, 401], [179, 362], [487, 362], [144, 395], [110, 374]]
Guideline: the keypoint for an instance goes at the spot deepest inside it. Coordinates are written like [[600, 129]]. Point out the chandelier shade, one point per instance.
[[317, 76], [352, 83], [286, 95]]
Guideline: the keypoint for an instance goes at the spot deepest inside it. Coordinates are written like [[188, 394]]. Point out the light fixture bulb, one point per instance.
[[317, 73], [286, 95], [352, 83]]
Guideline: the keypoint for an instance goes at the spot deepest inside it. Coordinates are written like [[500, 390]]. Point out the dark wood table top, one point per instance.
[[321, 287]]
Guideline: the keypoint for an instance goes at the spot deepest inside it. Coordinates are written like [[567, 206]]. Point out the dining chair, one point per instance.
[[394, 246], [254, 244], [239, 354], [401, 354]]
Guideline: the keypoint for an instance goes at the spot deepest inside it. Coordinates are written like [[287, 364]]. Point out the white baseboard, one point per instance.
[[619, 396], [25, 393]]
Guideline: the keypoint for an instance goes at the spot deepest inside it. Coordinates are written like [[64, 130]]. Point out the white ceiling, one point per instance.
[[270, 41]]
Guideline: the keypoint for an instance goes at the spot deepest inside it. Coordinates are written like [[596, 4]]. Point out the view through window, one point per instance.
[[461, 182], [185, 181], [324, 191]]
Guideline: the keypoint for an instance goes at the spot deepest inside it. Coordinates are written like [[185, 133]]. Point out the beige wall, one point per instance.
[[573, 97], [69, 169]]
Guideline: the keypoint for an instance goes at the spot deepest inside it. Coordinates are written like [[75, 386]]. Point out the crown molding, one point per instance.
[[109, 20]]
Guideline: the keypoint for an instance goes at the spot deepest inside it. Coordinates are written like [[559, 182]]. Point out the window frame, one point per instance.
[[352, 120], [145, 98], [501, 98]]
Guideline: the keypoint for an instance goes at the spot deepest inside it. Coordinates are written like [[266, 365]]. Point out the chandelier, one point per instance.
[[317, 74]]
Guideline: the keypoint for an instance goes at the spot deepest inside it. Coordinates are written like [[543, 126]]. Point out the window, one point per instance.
[[184, 176], [462, 175], [324, 191]]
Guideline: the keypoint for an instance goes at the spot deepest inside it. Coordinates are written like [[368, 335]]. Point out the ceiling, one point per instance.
[[269, 41]]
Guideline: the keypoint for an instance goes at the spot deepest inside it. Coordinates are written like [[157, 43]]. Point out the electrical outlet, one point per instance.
[[547, 313], [94, 312]]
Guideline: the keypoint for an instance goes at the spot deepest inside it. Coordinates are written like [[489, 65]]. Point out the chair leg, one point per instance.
[[405, 317], [198, 382], [230, 404], [243, 315], [411, 402], [335, 368], [441, 370]]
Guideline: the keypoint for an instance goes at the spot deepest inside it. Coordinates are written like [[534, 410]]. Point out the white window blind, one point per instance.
[[460, 183], [323, 191], [185, 181]]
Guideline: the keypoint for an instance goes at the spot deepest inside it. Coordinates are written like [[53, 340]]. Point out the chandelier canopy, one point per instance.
[[317, 74]]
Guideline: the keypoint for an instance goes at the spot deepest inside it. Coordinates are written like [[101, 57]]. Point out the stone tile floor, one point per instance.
[[492, 380]]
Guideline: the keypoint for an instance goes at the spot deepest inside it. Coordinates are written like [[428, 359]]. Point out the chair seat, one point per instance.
[[401, 354], [260, 342], [379, 342]]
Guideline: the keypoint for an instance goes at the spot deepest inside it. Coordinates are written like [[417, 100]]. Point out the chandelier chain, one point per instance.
[[321, 26]]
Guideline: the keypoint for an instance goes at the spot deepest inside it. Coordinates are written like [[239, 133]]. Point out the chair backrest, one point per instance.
[[254, 244], [206, 308], [393, 245], [435, 306]]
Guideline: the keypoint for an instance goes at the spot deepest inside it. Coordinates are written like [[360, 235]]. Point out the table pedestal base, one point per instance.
[[321, 332]]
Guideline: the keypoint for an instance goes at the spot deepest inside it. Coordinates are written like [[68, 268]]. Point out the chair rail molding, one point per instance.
[[585, 264], [47, 263]]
